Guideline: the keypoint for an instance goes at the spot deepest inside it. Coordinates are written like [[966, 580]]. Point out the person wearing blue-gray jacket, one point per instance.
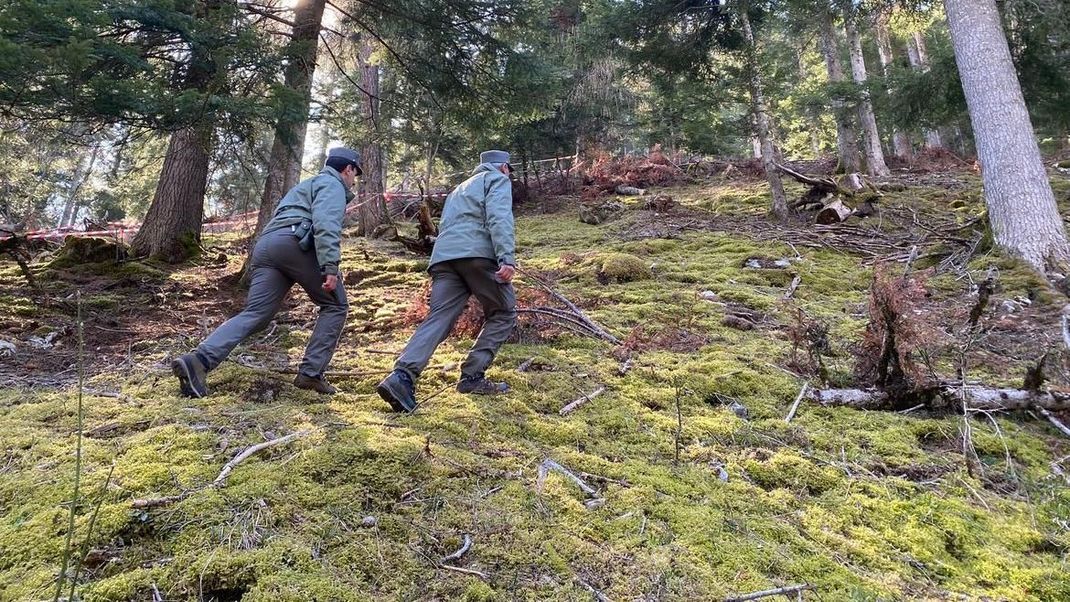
[[474, 254], [301, 244]]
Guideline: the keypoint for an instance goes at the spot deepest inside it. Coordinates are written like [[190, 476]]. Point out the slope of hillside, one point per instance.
[[695, 486]]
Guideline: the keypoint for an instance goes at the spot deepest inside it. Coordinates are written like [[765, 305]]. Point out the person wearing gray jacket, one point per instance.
[[301, 244], [474, 254]]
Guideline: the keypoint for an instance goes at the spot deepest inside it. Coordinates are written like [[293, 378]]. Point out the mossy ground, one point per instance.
[[864, 505]]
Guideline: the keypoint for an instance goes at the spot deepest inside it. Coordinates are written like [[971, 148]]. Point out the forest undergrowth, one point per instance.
[[681, 479]]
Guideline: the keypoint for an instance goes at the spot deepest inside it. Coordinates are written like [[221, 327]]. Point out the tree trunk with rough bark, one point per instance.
[[172, 227], [1021, 206], [918, 55], [900, 140], [372, 211], [871, 138], [760, 113], [846, 138], [284, 163]]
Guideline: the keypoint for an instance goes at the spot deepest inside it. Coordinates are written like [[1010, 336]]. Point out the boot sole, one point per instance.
[[185, 380], [389, 397]]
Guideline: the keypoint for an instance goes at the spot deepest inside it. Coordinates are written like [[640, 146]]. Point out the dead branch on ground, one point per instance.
[[574, 316], [465, 546], [780, 591], [573, 405], [221, 479], [945, 395]]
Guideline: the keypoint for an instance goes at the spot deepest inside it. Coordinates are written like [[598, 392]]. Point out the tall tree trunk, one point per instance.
[[846, 138], [73, 204], [372, 209], [284, 163], [172, 227], [760, 113], [1021, 206], [918, 55], [871, 139], [900, 140]]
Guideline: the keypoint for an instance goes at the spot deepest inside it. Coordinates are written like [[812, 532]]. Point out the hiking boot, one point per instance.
[[192, 375], [398, 390], [317, 384], [480, 385]]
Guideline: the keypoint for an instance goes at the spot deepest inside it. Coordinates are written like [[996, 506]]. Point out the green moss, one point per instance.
[[864, 505], [621, 267]]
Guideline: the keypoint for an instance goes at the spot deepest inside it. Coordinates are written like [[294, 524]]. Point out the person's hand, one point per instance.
[[505, 273], [330, 282]]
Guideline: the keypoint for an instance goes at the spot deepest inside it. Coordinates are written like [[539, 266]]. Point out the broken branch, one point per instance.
[[223, 474], [465, 546], [571, 407], [795, 404], [548, 465], [946, 394], [780, 591]]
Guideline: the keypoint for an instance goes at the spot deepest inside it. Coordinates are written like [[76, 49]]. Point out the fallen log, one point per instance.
[[945, 396], [833, 213]]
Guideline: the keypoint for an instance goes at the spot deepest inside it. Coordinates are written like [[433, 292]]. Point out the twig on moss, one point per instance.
[[221, 479], [1056, 467], [679, 426], [780, 591], [67, 546], [465, 546], [89, 532], [795, 404], [625, 366], [598, 595], [458, 569], [573, 405], [547, 465]]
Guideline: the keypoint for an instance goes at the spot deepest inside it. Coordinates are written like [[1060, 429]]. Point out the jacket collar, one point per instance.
[[330, 171], [485, 167]]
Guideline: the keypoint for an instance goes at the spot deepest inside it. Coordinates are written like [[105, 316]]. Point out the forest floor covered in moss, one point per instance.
[[701, 489]]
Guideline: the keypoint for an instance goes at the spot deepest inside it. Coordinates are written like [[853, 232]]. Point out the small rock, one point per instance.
[[7, 348], [45, 342], [709, 296], [1008, 306], [721, 472], [739, 410], [595, 503], [369, 521]]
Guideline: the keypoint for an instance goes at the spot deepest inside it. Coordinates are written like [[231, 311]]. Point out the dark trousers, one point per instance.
[[278, 262], [452, 283]]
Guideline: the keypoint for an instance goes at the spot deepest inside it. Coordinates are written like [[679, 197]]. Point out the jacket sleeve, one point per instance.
[[499, 218], [328, 211]]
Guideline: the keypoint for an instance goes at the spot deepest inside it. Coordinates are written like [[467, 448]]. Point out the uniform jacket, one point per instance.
[[320, 200], [477, 220]]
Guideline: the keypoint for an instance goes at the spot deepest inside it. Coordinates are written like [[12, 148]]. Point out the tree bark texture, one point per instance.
[[900, 140], [284, 164], [871, 139], [846, 138], [975, 397], [761, 119], [172, 227], [918, 55], [372, 209], [1021, 206]]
